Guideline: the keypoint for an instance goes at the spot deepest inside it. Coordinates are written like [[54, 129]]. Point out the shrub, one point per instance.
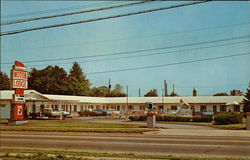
[[131, 118], [182, 119], [228, 118], [159, 118], [202, 119], [137, 118]]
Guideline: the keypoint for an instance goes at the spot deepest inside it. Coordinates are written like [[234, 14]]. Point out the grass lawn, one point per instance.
[[75, 126], [33, 154], [228, 126]]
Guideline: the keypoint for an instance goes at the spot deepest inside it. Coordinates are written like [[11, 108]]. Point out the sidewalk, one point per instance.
[[192, 132]]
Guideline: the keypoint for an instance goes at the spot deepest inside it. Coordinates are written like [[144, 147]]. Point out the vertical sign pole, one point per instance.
[[19, 82]]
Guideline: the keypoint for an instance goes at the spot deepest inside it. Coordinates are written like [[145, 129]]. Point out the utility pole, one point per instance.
[[163, 96], [109, 84], [109, 88], [139, 92], [173, 88], [127, 95], [165, 88]]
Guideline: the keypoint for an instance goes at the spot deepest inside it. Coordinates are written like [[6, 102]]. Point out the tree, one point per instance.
[[117, 92], [4, 81], [173, 94], [246, 100], [77, 82], [151, 93], [50, 80], [221, 94], [101, 91]]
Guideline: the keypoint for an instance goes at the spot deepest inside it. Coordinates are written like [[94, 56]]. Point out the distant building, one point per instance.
[[36, 102]]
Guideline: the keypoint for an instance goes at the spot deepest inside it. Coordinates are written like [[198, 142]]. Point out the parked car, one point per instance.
[[50, 113], [90, 113], [65, 114], [206, 113]]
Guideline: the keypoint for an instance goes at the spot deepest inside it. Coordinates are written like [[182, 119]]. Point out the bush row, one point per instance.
[[173, 118]]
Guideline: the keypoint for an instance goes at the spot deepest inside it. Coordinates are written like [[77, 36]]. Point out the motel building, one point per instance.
[[35, 102]]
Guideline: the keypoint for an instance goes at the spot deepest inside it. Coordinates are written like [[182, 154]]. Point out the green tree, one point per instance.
[[77, 82], [4, 81], [117, 91], [221, 94], [50, 80], [246, 100], [151, 93], [101, 91]]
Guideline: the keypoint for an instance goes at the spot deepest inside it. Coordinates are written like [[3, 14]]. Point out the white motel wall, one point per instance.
[[35, 102]]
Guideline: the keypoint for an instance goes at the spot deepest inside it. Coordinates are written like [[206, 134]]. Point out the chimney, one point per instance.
[[194, 92]]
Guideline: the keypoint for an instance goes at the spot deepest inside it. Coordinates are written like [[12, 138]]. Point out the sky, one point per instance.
[[204, 46]]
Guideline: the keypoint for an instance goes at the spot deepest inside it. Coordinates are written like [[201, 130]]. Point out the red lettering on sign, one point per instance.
[[20, 75], [20, 84]]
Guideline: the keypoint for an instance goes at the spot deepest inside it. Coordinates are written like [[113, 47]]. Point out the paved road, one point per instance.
[[149, 144]]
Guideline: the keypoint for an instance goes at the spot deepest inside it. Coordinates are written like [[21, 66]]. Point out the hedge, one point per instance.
[[174, 118], [227, 118], [202, 119]]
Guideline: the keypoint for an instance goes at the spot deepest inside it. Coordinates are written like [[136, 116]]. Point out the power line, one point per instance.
[[169, 64], [135, 51], [101, 18], [135, 37], [73, 13], [150, 54], [55, 10]]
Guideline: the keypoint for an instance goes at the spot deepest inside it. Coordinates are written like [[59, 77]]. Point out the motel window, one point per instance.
[[130, 107], [173, 107], [222, 108], [237, 108], [214, 109], [63, 107], [192, 107], [70, 108], [203, 108], [160, 108], [41, 107], [75, 108], [142, 108], [123, 107], [33, 108], [56, 107]]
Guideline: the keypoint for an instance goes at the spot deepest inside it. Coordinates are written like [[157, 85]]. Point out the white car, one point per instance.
[[65, 114], [207, 113]]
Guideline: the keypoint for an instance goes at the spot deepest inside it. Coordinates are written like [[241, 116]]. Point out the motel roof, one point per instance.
[[33, 95]]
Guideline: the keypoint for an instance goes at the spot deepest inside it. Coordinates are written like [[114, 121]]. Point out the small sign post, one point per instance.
[[19, 82], [151, 115], [248, 120]]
